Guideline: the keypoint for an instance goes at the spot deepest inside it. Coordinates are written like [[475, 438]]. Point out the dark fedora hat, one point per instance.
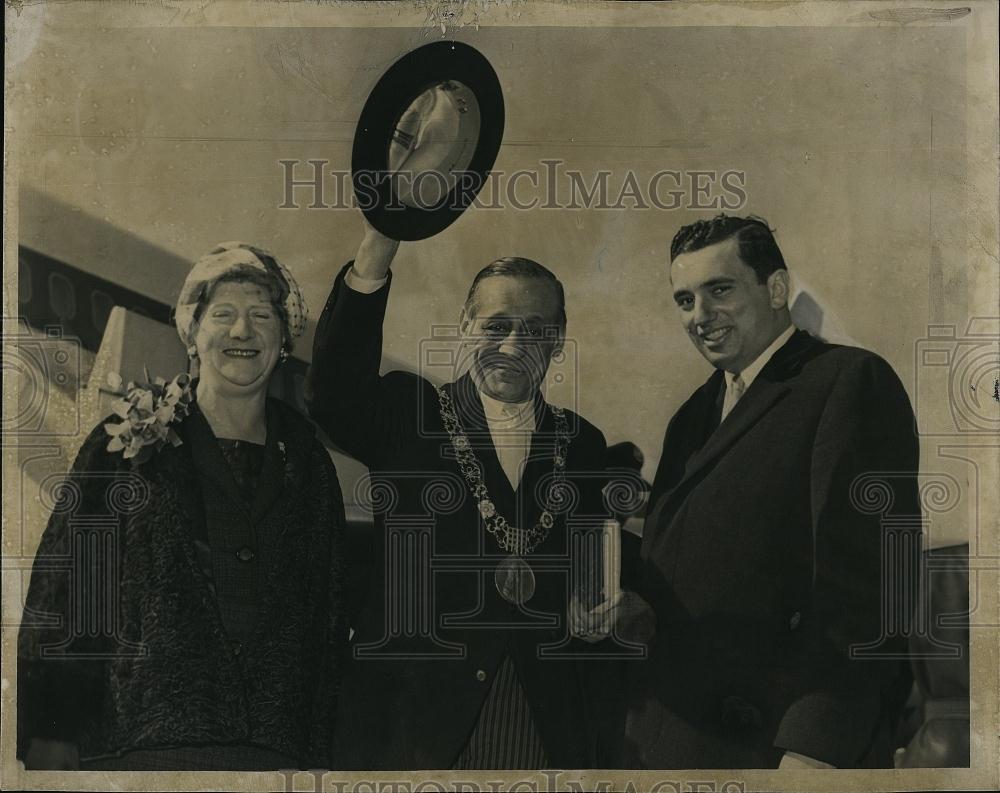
[[426, 140]]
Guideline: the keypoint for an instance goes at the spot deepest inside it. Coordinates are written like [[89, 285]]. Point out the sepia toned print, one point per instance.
[[582, 396]]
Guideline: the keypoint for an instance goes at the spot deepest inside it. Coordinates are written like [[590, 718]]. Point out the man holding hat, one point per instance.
[[462, 656]]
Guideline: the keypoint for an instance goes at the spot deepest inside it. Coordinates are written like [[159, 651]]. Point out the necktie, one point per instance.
[[734, 390]]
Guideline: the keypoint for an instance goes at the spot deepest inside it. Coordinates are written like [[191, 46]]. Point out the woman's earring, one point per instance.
[[194, 364], [283, 355]]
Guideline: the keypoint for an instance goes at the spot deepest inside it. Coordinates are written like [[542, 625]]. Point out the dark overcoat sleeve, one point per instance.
[[366, 415], [866, 433]]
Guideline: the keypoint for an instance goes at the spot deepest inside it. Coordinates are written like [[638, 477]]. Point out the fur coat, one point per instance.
[[123, 646]]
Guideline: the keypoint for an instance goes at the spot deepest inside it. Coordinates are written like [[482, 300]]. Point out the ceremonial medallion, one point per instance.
[[515, 580]]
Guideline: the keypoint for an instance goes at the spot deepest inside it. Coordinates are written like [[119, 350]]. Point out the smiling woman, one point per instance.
[[239, 335], [212, 624]]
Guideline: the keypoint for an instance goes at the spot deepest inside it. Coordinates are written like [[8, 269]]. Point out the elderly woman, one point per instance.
[[185, 610]]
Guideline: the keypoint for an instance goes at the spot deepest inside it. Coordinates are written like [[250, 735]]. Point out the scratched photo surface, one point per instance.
[[694, 489]]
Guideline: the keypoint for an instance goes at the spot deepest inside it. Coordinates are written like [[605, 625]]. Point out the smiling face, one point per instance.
[[238, 338], [730, 316], [511, 328]]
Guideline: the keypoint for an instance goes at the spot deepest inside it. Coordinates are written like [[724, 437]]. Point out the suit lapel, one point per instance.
[[687, 433], [697, 419], [757, 400], [540, 447], [538, 463], [769, 387]]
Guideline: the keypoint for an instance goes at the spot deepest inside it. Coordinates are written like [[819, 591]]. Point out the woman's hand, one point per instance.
[[46, 755], [375, 254]]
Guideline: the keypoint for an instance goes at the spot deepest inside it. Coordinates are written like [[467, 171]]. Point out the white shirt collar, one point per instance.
[[515, 413], [749, 374]]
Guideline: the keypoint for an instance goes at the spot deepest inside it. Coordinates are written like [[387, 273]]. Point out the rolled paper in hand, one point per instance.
[[611, 552]]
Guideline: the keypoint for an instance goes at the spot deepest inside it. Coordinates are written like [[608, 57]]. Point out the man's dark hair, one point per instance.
[[757, 246], [519, 268]]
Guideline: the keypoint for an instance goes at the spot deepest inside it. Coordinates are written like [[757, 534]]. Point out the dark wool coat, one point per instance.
[[762, 556], [410, 698], [123, 645]]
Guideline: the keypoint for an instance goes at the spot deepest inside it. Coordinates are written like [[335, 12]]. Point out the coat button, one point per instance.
[[480, 675], [237, 647], [796, 618], [245, 554]]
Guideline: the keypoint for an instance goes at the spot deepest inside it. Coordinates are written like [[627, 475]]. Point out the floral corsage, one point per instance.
[[148, 410]]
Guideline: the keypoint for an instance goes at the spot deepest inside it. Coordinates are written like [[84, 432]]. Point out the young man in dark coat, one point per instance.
[[764, 546], [462, 656]]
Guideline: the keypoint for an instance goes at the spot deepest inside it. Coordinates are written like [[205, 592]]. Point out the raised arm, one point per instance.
[[343, 390], [375, 255]]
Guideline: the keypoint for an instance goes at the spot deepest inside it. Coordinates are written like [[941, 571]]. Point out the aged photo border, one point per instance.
[[978, 18]]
